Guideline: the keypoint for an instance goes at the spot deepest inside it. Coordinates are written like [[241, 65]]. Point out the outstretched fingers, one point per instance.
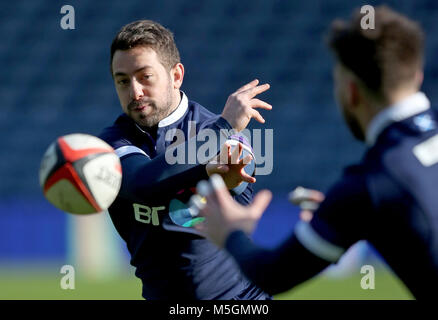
[[257, 103], [253, 91], [243, 174], [257, 116], [247, 86], [260, 203], [213, 190], [246, 177], [235, 154]]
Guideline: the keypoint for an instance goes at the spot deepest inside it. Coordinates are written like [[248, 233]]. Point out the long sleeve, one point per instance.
[[145, 177], [275, 270]]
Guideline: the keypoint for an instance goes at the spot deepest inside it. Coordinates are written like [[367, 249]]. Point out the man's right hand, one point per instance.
[[240, 106], [230, 166]]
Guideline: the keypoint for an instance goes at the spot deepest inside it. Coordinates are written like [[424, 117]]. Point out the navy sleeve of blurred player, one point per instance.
[[343, 218], [336, 225], [276, 270]]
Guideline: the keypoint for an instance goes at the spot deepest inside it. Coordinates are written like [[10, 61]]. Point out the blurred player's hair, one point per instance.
[[384, 58], [151, 34]]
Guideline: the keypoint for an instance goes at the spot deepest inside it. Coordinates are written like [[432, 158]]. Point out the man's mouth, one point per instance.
[[139, 108]]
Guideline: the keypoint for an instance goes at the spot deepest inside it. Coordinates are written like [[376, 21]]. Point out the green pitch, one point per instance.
[[45, 284], [387, 287]]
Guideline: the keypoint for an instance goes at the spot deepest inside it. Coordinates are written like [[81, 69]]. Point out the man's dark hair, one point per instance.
[[385, 57], [149, 34]]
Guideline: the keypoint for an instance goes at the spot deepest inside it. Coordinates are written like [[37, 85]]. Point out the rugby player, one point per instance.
[[390, 198], [172, 261]]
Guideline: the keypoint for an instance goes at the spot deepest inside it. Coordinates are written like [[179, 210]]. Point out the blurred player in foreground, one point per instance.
[[390, 198], [173, 261]]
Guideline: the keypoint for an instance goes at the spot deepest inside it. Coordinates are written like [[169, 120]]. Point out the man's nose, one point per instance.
[[136, 90]]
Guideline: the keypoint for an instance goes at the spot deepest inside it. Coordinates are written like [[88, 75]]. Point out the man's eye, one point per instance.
[[123, 82], [147, 76]]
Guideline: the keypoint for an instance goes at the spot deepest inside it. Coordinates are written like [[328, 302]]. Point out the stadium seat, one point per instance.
[[57, 81]]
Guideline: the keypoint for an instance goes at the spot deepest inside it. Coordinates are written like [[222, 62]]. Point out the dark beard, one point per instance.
[[149, 121], [158, 112]]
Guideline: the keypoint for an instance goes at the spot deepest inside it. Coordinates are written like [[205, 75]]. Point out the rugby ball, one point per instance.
[[80, 174]]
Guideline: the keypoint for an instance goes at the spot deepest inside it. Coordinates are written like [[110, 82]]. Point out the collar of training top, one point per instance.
[[406, 108]]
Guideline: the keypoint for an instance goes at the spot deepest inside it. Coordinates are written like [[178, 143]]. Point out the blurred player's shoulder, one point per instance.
[[402, 163]]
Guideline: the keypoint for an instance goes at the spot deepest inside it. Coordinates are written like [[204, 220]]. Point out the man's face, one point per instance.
[[143, 85], [343, 95]]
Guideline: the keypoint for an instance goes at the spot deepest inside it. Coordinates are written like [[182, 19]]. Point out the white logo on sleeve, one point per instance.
[[427, 151]]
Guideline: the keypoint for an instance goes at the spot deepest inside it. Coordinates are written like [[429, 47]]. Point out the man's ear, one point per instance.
[[177, 74], [419, 76], [354, 94]]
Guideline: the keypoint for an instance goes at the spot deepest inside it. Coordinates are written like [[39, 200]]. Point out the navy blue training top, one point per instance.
[[390, 199], [173, 262]]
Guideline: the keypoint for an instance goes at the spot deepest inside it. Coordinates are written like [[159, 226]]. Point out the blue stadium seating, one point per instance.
[[57, 81]]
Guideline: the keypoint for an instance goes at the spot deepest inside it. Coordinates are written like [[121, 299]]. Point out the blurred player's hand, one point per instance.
[[240, 106], [223, 214], [308, 200], [229, 165]]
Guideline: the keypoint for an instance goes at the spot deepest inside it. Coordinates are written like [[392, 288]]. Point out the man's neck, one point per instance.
[[373, 109], [404, 108], [177, 96]]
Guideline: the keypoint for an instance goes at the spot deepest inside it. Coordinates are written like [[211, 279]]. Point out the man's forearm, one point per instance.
[[275, 270], [145, 178]]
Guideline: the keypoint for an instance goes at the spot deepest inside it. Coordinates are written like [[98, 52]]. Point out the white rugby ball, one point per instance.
[[80, 174]]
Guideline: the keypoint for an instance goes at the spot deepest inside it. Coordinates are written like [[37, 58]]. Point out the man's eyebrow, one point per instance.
[[124, 74]]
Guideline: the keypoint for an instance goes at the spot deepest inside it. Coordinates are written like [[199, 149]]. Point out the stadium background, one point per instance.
[[55, 82]]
